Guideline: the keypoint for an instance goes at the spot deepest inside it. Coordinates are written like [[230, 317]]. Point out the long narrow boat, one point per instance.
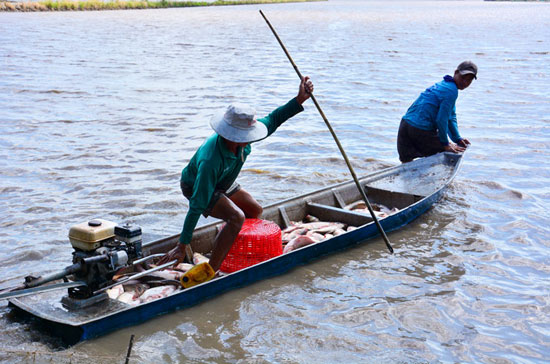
[[412, 187]]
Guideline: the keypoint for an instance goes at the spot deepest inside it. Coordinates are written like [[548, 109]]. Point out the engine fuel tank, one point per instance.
[[89, 235]]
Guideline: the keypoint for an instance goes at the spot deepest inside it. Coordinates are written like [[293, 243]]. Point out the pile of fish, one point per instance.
[[380, 210], [311, 231], [155, 285]]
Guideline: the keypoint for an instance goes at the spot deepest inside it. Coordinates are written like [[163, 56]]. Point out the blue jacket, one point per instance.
[[435, 109]]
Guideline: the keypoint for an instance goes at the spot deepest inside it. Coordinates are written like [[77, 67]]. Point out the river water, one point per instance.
[[100, 111]]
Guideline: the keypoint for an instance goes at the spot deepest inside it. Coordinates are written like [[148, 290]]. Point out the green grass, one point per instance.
[[68, 5]]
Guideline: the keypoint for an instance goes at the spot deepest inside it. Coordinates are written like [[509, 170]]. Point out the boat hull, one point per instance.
[[416, 186]]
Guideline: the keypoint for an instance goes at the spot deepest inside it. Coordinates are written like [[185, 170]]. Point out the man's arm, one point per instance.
[[203, 189], [453, 127], [205, 182], [281, 114], [442, 119]]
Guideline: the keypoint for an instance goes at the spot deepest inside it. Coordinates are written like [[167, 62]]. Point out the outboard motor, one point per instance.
[[101, 248]]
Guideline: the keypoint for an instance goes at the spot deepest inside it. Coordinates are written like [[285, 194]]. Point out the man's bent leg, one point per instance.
[[233, 216], [405, 146], [247, 203]]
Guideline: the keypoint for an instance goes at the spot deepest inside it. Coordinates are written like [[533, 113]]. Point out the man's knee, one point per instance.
[[236, 219], [256, 211]]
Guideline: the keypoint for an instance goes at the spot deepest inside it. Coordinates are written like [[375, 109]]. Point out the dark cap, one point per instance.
[[467, 67]]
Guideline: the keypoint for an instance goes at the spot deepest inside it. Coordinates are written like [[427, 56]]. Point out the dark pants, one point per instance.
[[414, 143], [188, 192]]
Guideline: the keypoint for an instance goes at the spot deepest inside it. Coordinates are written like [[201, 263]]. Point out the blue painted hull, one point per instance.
[[89, 327]]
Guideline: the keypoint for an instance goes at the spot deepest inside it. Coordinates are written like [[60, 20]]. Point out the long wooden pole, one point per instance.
[[130, 348], [361, 189]]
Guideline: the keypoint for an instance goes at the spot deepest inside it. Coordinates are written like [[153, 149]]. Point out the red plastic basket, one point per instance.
[[257, 241]]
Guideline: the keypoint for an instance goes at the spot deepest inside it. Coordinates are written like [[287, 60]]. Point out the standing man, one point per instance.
[[208, 181], [424, 128]]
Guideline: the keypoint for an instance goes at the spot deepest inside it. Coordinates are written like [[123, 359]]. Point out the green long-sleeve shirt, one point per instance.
[[215, 167]]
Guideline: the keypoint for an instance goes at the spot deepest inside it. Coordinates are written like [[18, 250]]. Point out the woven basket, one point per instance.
[[257, 241]]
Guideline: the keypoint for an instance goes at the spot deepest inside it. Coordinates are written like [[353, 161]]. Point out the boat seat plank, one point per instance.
[[335, 214], [284, 216], [391, 199], [338, 198]]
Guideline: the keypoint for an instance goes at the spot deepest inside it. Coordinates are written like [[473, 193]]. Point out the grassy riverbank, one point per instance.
[[67, 5]]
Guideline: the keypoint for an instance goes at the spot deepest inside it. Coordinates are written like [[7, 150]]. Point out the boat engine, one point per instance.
[[101, 248]]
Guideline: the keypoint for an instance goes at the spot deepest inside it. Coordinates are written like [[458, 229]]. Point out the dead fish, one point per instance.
[[316, 236], [115, 291], [167, 274], [387, 210], [351, 228], [184, 267], [356, 205], [310, 218], [298, 242], [339, 232], [293, 226], [120, 276], [312, 225], [294, 234], [128, 298], [157, 292], [378, 214], [137, 289], [320, 225], [330, 228], [198, 258], [164, 282], [128, 271]]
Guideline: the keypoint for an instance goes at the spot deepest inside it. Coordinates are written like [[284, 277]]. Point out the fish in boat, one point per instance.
[[168, 274], [156, 293], [129, 298], [412, 188], [115, 291], [298, 242], [198, 258], [184, 267]]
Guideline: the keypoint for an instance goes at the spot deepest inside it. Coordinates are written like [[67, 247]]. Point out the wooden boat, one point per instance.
[[412, 187]]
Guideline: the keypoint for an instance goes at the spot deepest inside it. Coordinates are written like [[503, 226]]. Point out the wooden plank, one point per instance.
[[391, 199], [335, 214], [338, 198], [284, 216]]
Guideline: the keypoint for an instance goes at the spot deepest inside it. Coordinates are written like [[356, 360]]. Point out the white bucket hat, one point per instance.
[[238, 124]]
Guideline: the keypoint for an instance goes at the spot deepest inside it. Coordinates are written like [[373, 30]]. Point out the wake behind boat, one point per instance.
[[410, 189]]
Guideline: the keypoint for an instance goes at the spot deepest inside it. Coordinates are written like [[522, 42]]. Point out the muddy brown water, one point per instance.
[[99, 112]]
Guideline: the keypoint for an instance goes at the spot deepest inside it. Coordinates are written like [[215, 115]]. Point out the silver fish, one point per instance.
[[157, 292], [198, 258], [298, 242]]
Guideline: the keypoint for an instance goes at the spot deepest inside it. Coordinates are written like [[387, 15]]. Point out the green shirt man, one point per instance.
[[215, 168], [208, 181]]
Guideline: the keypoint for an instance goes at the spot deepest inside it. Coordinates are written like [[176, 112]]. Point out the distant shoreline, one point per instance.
[[83, 5]]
